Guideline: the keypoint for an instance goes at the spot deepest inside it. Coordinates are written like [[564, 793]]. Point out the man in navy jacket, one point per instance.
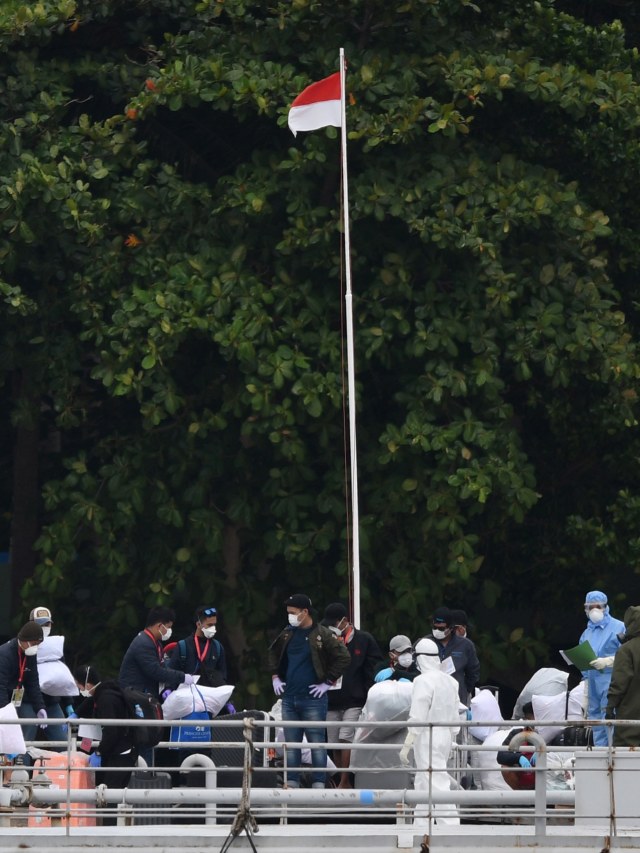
[[143, 665], [19, 681]]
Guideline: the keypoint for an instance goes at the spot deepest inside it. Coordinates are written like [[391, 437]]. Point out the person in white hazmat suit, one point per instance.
[[434, 700]]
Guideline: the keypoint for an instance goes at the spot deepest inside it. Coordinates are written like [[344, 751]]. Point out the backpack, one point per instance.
[[209, 676], [143, 705]]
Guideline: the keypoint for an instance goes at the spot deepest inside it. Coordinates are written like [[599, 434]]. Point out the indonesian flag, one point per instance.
[[318, 106]]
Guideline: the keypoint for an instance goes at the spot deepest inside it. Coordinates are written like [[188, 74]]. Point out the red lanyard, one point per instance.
[[201, 657], [22, 663], [156, 644]]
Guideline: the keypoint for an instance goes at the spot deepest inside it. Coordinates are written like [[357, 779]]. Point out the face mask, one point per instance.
[[294, 619], [209, 632], [46, 630], [30, 651], [596, 616], [167, 635], [405, 660], [85, 693], [438, 634], [335, 630]]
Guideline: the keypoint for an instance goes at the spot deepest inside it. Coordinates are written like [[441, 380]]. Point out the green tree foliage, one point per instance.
[[171, 288]]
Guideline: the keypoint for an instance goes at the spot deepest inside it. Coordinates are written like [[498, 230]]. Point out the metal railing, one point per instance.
[[244, 770]]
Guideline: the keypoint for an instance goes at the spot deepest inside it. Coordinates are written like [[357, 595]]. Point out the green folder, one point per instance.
[[580, 655]]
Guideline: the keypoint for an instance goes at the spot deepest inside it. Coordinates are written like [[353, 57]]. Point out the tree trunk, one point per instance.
[[24, 519]]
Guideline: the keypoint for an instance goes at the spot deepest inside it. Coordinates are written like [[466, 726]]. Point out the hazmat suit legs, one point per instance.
[[598, 688], [434, 756]]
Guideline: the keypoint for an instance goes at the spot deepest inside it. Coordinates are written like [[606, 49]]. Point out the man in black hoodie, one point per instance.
[[105, 700], [346, 702]]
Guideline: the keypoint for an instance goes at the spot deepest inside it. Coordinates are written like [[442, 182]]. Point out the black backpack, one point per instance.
[[143, 705]]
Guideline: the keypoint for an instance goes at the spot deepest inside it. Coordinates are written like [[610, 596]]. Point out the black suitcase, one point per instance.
[[149, 779], [229, 760]]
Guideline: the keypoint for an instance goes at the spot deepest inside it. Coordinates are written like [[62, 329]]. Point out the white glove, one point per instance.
[[602, 663], [406, 749]]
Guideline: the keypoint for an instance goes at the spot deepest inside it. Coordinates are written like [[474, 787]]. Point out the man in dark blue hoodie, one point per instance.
[[459, 652]]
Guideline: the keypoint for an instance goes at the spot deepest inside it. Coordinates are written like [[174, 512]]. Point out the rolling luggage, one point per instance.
[[149, 779], [229, 760]]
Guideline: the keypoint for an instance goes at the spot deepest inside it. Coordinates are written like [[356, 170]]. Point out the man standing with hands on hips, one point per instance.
[[307, 660]]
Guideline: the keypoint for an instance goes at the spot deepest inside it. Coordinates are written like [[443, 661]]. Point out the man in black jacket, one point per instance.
[[19, 682], [346, 702], [306, 661], [143, 665]]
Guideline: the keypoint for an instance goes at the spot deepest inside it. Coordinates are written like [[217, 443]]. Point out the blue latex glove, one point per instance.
[[72, 716], [318, 690], [278, 685], [189, 679], [384, 674], [165, 694], [523, 761], [42, 715], [229, 708], [95, 760], [533, 760]]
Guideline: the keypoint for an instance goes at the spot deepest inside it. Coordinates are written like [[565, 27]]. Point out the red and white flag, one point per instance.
[[318, 106]]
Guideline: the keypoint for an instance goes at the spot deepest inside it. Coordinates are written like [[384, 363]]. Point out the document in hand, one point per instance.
[[580, 655]]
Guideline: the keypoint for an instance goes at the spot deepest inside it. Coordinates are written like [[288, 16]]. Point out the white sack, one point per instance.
[[545, 682], [56, 679], [484, 709], [189, 698], [555, 708], [11, 737], [487, 773], [386, 701], [51, 648]]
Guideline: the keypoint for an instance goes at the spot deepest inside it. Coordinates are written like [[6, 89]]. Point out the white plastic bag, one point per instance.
[[191, 698], [386, 701], [484, 709], [545, 682], [55, 676], [11, 737], [555, 708]]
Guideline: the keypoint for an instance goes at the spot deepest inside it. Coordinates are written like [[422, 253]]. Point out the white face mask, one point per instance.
[[439, 634], [294, 619], [405, 660], [209, 632], [46, 630], [85, 693], [596, 616], [167, 635], [335, 630], [30, 651]]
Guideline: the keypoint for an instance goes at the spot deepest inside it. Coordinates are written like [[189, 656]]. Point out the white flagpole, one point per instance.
[[351, 386]]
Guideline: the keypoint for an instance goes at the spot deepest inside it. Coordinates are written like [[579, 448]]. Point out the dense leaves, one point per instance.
[[171, 284]]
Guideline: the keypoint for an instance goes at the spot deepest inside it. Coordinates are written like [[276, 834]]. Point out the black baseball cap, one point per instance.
[[299, 600]]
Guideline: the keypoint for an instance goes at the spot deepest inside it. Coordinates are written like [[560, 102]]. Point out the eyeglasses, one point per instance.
[[210, 611]]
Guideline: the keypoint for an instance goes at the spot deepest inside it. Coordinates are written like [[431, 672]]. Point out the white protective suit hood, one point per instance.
[[427, 655]]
